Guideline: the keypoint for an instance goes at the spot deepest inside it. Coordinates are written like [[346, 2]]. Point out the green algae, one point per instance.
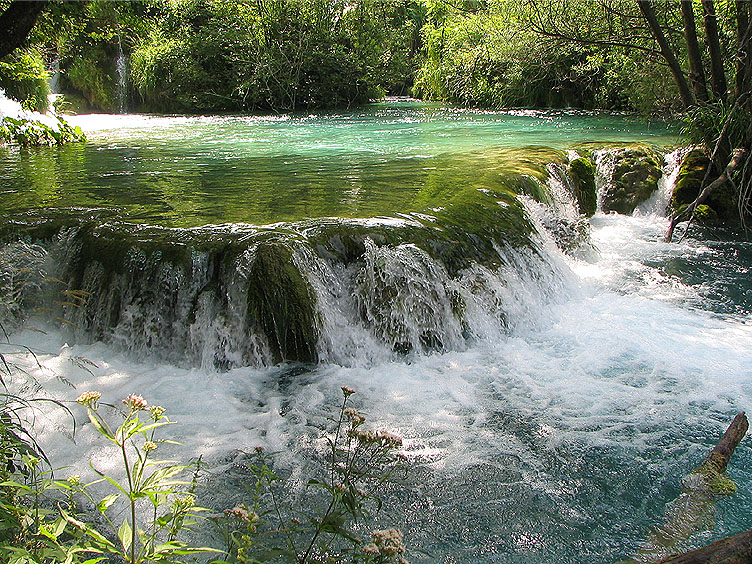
[[582, 172], [282, 302], [720, 205], [634, 179]]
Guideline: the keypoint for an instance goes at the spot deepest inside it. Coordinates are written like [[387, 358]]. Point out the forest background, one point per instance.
[[202, 56]]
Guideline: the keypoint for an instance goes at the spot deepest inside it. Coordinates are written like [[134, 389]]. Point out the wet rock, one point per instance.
[[282, 302], [582, 172], [721, 204], [635, 176]]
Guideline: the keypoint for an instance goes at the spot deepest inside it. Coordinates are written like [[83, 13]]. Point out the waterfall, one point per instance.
[[349, 292], [659, 202], [121, 67], [55, 75]]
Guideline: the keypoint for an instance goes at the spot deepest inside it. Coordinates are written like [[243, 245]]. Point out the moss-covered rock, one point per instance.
[[721, 204], [282, 303], [689, 181], [635, 177], [582, 172]]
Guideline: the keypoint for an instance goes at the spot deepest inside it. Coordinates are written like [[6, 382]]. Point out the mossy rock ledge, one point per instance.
[[721, 204], [634, 179], [582, 172]]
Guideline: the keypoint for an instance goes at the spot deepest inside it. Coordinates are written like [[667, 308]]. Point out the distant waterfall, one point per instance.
[[121, 67]]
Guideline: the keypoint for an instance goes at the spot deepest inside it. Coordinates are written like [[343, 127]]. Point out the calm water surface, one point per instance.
[[383, 159]]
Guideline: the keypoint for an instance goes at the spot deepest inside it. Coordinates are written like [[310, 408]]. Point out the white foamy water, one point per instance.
[[560, 442]]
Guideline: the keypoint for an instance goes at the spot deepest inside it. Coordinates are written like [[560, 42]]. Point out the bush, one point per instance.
[[24, 78]]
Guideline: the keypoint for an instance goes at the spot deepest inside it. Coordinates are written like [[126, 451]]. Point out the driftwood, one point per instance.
[[732, 550], [695, 506], [733, 164]]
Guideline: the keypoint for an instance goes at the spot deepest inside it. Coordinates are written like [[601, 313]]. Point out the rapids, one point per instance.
[[549, 402]]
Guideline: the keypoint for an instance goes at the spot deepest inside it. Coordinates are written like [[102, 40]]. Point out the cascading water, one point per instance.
[[121, 68], [549, 402]]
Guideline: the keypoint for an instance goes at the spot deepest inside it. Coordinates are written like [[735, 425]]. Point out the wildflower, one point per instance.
[[184, 503], [149, 446], [74, 480], [259, 449], [89, 399], [347, 391], [156, 412], [388, 544], [370, 548], [242, 513], [135, 403], [363, 437], [355, 418], [389, 440]]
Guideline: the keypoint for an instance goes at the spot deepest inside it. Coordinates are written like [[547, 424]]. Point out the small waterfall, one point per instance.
[[121, 67], [658, 203], [605, 163], [347, 292], [54, 71]]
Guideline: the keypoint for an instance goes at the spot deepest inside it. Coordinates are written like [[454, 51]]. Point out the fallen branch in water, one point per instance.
[[687, 513], [732, 550]]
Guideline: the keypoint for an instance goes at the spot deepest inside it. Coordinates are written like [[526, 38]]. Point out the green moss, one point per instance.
[[582, 171], [282, 303], [721, 204], [716, 483], [635, 178], [689, 181]]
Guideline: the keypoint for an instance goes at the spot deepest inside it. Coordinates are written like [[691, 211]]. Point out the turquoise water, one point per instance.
[[387, 158]]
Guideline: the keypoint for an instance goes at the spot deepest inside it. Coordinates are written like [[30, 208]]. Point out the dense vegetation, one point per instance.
[[207, 55]]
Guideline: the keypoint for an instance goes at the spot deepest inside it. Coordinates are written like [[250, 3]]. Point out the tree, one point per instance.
[[16, 23]]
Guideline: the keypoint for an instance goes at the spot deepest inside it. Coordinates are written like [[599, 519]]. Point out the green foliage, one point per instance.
[[154, 484], [33, 133], [492, 55], [205, 55], [704, 124], [24, 78]]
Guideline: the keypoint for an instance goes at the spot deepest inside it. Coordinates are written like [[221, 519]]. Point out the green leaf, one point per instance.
[[125, 534], [94, 418], [106, 502]]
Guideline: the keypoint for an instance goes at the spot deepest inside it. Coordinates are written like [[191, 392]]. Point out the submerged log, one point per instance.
[[689, 512]]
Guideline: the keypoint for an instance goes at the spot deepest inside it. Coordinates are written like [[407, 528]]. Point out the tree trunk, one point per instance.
[[743, 52], [16, 23], [696, 70], [648, 12], [717, 74], [689, 512]]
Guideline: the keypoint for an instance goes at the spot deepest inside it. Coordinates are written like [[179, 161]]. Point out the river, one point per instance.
[[552, 425]]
